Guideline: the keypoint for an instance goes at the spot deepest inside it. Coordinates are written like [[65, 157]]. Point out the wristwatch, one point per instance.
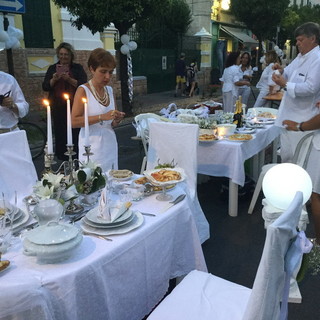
[[298, 126]]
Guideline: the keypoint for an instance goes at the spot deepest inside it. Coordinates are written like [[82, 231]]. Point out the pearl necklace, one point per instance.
[[102, 100]]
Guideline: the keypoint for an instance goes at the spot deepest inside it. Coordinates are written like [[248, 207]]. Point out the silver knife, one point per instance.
[[179, 199]]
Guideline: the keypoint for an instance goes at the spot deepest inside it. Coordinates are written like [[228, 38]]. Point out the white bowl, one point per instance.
[[226, 129]]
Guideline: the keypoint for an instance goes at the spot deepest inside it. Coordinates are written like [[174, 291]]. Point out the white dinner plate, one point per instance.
[[241, 140], [93, 216], [22, 220], [136, 222], [265, 120], [245, 130], [104, 226]]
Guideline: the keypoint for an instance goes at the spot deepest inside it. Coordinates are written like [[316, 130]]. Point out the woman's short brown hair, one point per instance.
[[101, 58], [68, 47], [272, 57]]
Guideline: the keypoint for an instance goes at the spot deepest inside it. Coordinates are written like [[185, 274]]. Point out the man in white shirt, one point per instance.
[[12, 103], [301, 82]]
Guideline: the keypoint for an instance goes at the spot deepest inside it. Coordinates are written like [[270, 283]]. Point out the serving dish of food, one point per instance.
[[165, 176], [240, 137], [207, 137], [121, 175]]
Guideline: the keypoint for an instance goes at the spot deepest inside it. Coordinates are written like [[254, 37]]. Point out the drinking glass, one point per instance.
[[5, 233]]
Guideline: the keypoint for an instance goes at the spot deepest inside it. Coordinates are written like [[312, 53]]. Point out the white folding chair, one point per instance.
[[17, 171], [300, 158], [142, 126], [179, 142], [204, 296]]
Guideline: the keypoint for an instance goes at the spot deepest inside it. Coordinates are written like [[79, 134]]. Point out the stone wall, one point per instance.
[[31, 83]]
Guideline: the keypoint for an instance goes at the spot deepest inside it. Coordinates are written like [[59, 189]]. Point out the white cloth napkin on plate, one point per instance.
[[111, 211]]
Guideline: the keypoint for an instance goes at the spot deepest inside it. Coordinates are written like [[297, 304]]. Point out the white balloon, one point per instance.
[[125, 39], [16, 45], [12, 42], [132, 45], [275, 48], [281, 183], [4, 36], [125, 49], [15, 33]]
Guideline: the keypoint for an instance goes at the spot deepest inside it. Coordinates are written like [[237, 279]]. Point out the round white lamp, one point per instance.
[[281, 183]]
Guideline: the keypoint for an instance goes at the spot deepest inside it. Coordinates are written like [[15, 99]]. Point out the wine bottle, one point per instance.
[[237, 117]]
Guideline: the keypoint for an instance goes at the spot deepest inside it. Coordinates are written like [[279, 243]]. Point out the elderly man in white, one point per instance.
[[12, 103], [301, 82]]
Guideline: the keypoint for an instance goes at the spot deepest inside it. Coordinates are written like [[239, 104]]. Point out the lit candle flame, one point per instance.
[[84, 100], [66, 96], [45, 102]]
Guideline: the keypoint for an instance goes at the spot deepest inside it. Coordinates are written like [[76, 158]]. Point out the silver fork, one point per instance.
[[97, 236]]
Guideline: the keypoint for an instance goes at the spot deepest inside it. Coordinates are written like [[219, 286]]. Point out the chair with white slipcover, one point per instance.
[[17, 171], [204, 296], [142, 126], [178, 142]]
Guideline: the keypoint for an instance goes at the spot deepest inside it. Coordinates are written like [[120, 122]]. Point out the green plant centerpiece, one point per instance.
[[90, 178], [172, 164]]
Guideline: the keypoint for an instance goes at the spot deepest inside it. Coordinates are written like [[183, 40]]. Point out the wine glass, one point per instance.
[[164, 196]]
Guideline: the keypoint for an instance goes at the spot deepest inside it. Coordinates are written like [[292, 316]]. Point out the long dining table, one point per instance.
[[224, 158], [118, 280]]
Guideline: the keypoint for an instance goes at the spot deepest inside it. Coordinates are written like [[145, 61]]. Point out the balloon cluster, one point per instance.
[[125, 49], [278, 51], [127, 45], [11, 37]]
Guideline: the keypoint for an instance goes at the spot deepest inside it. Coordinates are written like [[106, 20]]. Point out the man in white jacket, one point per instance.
[[301, 82]]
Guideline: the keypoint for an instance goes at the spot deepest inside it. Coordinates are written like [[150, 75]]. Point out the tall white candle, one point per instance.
[[69, 127], [86, 123], [49, 128]]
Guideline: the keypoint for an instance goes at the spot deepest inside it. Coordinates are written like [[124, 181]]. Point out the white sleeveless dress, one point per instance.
[[102, 138]]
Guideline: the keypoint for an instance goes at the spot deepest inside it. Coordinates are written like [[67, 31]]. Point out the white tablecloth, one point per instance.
[[122, 279], [226, 158]]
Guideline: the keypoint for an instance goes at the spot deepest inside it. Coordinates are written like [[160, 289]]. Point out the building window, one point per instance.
[[37, 25]]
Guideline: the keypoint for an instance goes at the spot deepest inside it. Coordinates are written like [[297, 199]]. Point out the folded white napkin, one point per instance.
[[111, 211]]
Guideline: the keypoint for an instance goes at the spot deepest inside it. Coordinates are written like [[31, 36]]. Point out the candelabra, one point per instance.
[[87, 152], [48, 159]]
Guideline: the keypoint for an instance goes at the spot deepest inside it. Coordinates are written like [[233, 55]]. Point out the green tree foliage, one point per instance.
[[166, 28], [261, 16], [297, 15], [98, 14]]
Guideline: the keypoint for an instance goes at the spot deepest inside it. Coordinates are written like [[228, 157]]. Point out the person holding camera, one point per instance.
[[63, 77], [12, 103]]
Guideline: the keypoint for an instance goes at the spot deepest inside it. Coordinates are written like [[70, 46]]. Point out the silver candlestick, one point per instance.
[[87, 152], [48, 159], [72, 208]]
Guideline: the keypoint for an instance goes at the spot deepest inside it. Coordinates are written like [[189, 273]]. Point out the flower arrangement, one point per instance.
[[55, 186], [90, 178], [314, 260]]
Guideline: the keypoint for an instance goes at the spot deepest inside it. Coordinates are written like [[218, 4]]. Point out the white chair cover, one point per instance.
[[179, 141], [17, 171], [204, 296], [264, 302]]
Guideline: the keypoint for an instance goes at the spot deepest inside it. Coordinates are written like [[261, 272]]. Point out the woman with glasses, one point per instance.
[[63, 77]]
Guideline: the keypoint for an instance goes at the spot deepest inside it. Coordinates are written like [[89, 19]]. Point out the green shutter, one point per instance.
[[37, 25]]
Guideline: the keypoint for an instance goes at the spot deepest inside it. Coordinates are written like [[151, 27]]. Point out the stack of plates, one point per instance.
[[93, 223], [19, 217]]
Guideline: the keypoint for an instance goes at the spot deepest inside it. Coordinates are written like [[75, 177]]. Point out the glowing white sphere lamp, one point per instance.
[[281, 183]]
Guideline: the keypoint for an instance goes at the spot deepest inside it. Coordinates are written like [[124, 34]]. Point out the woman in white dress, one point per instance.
[[231, 81], [102, 113], [245, 74], [265, 84]]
